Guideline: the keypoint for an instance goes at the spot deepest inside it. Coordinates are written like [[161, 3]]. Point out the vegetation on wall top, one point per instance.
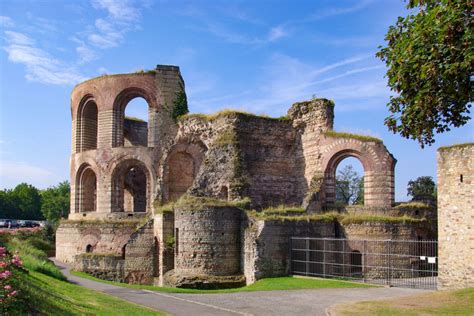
[[363, 138], [230, 113], [195, 203], [456, 146]]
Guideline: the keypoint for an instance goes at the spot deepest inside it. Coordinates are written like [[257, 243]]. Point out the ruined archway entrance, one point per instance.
[[342, 192], [349, 182], [130, 190], [86, 190]]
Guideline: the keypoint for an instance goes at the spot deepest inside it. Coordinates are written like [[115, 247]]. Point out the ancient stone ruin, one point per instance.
[[181, 200]]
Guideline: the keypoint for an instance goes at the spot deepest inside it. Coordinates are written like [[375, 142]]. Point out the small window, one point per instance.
[[123, 251], [461, 178], [89, 248]]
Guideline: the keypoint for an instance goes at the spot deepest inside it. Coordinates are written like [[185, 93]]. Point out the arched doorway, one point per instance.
[[86, 189], [356, 263], [87, 125], [130, 187]]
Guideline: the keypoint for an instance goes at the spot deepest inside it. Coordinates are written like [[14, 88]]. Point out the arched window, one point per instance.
[[87, 125], [89, 248], [131, 118], [130, 187], [86, 190], [135, 124]]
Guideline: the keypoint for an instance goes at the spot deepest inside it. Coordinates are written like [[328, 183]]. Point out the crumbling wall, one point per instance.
[[456, 216]]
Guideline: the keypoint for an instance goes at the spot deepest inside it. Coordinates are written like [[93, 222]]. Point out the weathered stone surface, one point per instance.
[[456, 216], [205, 282]]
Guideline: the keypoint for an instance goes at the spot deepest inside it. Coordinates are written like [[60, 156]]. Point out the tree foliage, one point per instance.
[[27, 202], [429, 58], [423, 188], [56, 202], [348, 186]]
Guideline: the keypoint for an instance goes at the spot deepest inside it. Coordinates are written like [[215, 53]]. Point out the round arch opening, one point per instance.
[[130, 188], [86, 190], [87, 125]]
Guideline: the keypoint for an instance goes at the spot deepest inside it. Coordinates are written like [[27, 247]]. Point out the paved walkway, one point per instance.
[[295, 302]]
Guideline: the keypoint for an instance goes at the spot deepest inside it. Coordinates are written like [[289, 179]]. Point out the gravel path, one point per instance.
[[296, 302]]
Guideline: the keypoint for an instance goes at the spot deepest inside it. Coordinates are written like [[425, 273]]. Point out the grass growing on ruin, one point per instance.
[[44, 291], [230, 113], [195, 203], [413, 206], [456, 146], [268, 284], [363, 138], [353, 218], [460, 302]]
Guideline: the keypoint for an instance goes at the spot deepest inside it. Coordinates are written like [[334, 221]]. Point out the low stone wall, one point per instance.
[[266, 245], [119, 251], [105, 267]]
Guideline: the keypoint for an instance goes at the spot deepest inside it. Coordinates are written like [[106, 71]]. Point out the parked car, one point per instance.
[[3, 223], [31, 224]]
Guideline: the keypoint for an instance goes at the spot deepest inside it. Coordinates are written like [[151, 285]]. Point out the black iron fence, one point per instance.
[[403, 263]]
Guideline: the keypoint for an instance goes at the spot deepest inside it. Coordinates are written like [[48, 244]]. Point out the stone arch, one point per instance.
[[378, 165], [131, 187], [181, 168], [86, 124], [86, 189], [118, 120]]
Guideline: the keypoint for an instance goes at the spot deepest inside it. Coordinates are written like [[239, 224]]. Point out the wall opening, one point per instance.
[[349, 182], [135, 124], [89, 248], [356, 263], [224, 193], [123, 251], [87, 126], [461, 178], [86, 190], [130, 188], [181, 173]]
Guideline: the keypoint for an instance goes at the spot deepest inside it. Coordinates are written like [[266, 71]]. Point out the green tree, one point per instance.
[[26, 200], [180, 105], [7, 208], [347, 185], [359, 200], [55, 202], [429, 59], [422, 189]]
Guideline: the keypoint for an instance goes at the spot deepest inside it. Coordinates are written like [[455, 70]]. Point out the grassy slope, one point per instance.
[[269, 284], [460, 302], [44, 291]]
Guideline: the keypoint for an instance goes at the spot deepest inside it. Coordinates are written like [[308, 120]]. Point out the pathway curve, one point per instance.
[[295, 302]]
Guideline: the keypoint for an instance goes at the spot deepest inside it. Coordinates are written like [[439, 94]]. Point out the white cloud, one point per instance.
[[6, 21], [13, 173], [85, 53], [40, 66], [122, 10], [276, 33]]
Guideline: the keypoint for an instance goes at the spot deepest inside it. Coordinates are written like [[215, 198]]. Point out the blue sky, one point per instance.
[[258, 56]]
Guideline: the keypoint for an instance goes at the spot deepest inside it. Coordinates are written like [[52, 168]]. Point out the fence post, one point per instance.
[[389, 274], [290, 253], [343, 258], [324, 257], [307, 257], [364, 260]]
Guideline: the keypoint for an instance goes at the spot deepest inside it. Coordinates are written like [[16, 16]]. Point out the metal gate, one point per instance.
[[403, 263]]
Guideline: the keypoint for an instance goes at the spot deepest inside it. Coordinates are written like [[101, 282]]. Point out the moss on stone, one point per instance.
[[226, 137], [166, 208], [456, 146], [363, 138]]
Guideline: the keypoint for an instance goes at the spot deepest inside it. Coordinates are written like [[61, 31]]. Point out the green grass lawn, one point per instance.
[[460, 302], [269, 284], [43, 290]]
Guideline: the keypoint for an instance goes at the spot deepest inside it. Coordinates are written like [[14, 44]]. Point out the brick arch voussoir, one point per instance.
[[82, 97]]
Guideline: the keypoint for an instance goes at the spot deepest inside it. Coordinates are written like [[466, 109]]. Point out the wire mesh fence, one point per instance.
[[403, 263]]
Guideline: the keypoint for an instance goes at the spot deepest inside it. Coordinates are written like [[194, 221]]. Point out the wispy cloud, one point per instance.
[[122, 10], [6, 21], [334, 11], [40, 65], [287, 79]]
